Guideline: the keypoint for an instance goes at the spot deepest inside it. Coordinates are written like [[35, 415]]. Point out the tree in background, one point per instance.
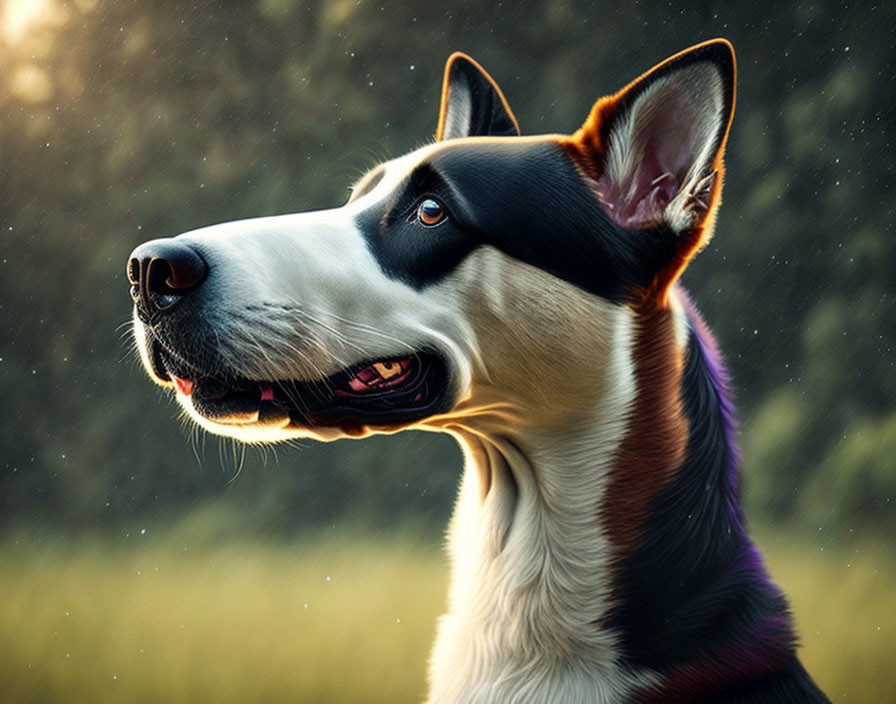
[[120, 122]]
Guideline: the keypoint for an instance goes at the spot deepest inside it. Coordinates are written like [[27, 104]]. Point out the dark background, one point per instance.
[[125, 121]]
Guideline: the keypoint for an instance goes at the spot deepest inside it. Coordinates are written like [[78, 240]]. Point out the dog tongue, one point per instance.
[[185, 386]]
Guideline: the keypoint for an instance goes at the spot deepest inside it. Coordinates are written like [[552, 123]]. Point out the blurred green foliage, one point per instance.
[[121, 122]]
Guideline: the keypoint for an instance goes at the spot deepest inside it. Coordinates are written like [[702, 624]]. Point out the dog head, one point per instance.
[[486, 275]]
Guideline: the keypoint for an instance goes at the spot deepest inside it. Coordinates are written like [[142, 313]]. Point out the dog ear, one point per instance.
[[472, 103], [654, 149]]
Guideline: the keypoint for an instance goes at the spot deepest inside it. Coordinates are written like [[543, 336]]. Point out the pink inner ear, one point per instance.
[[657, 154]]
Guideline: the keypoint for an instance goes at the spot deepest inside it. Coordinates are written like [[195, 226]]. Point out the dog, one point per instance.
[[522, 294]]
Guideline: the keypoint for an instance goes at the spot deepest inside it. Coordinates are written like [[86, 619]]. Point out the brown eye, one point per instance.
[[430, 212]]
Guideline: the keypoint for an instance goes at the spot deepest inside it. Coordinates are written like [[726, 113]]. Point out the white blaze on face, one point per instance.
[[302, 297]]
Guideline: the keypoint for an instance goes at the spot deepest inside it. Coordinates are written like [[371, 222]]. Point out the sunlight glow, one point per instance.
[[19, 16]]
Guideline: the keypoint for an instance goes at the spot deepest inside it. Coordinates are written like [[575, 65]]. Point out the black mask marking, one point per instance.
[[525, 198]]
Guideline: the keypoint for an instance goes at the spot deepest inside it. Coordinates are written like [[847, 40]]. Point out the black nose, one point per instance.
[[161, 272]]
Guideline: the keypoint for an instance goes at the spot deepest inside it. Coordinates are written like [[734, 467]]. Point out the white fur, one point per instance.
[[544, 382], [530, 569], [679, 319], [305, 298]]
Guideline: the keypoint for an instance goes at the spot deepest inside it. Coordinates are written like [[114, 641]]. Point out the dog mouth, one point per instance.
[[390, 392]]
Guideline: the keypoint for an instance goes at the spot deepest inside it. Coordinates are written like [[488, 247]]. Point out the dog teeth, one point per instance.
[[388, 369], [377, 374]]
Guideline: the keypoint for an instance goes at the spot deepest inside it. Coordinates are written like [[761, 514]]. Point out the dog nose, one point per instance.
[[161, 272]]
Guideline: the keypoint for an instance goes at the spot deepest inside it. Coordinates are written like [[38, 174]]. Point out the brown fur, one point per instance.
[[655, 445]]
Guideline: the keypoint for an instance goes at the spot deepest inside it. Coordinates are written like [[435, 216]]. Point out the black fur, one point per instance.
[[528, 200], [790, 685], [696, 597], [474, 105]]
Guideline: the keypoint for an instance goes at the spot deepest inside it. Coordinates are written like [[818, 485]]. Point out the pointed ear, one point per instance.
[[472, 103], [654, 149]]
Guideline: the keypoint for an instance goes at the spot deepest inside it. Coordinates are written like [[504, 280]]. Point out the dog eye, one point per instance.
[[430, 212]]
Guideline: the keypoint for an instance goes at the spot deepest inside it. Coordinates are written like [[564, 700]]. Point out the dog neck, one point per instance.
[[531, 579], [531, 559], [588, 562]]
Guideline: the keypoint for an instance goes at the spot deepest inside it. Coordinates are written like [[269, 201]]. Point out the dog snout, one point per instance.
[[161, 273]]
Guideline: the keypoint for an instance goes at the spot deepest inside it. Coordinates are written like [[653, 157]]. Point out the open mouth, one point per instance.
[[385, 392]]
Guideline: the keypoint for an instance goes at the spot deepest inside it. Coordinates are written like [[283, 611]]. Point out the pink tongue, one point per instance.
[[185, 386], [267, 394]]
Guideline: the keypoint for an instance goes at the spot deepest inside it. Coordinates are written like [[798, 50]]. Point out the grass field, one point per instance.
[[165, 620]]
